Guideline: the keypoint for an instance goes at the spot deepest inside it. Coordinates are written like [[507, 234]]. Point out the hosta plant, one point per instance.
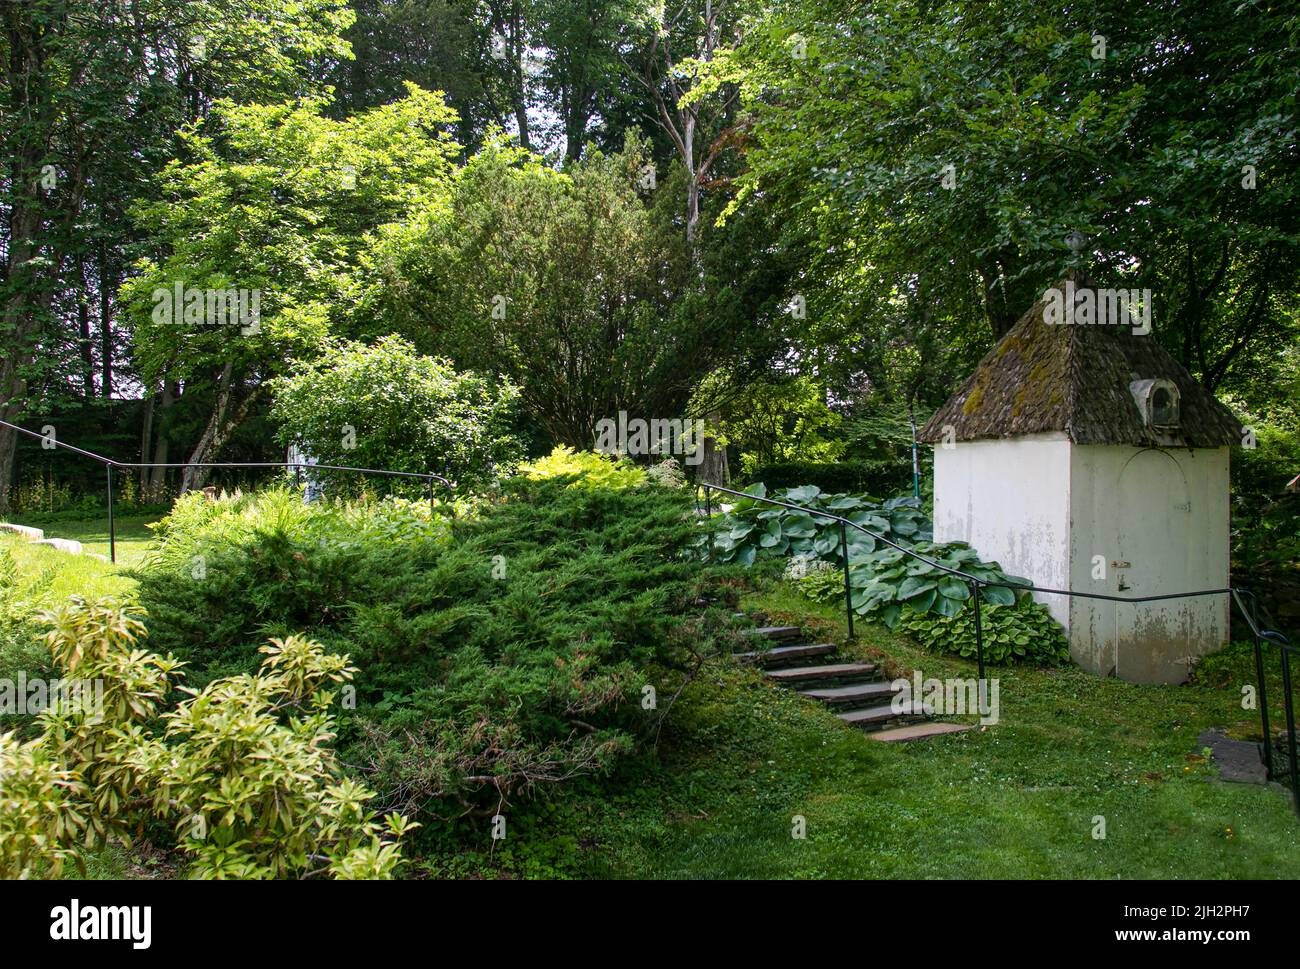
[[883, 579], [748, 530], [1024, 631]]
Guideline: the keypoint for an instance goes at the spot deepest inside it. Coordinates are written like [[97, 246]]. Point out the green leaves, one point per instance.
[[775, 531], [914, 586], [882, 579], [998, 595], [242, 768], [408, 412], [1024, 632]]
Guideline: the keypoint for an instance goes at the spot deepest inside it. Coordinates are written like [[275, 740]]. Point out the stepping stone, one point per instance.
[[856, 693], [1238, 760], [836, 671], [801, 651], [26, 531], [917, 731], [62, 544], [96, 555], [885, 713], [775, 632]]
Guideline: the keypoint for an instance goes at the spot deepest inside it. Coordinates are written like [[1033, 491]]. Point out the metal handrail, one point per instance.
[[110, 463], [974, 582]]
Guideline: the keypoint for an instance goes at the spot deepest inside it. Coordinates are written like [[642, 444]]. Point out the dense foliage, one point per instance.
[[242, 768], [912, 574], [880, 477], [933, 157], [586, 468], [385, 406], [516, 652]]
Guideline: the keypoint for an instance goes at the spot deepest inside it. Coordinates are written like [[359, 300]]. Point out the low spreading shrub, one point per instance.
[[587, 469], [513, 651]]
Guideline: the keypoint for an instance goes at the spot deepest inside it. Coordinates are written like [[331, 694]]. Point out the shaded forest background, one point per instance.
[[801, 221]]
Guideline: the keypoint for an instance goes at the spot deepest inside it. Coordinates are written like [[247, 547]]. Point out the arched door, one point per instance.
[[1154, 518]]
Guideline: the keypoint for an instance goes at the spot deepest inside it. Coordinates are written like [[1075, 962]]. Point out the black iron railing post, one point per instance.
[[979, 628], [708, 520], [848, 595], [1293, 768], [112, 527], [1265, 726]]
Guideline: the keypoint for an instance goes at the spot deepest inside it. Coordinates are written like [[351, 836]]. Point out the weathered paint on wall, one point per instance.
[[1010, 500], [1158, 518]]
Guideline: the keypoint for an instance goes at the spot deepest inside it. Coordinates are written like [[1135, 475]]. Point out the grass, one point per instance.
[[132, 533], [53, 575], [1017, 800]]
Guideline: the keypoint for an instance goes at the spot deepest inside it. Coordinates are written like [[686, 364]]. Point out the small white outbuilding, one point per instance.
[[1084, 457]]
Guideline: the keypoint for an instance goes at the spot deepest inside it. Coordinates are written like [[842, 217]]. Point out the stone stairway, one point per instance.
[[855, 691]]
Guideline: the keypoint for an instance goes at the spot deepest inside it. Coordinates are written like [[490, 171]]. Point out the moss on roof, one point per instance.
[[1075, 378]]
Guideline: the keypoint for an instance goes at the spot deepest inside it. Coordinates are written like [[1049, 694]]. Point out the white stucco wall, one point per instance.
[[1159, 518], [1010, 499]]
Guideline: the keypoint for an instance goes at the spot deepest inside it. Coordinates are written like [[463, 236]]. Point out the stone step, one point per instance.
[[858, 693], [782, 653], [775, 632], [917, 731], [62, 544], [26, 531], [883, 714], [836, 671]]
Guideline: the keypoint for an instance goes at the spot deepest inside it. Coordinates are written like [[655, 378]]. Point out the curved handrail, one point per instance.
[[126, 465], [110, 463], [975, 582]]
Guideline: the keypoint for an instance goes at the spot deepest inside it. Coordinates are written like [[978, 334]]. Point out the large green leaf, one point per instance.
[[999, 596], [953, 588], [914, 586], [802, 495], [948, 607]]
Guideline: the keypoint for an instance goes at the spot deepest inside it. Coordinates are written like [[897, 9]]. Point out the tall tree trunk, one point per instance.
[[220, 426], [156, 487], [692, 185], [87, 355], [192, 476], [713, 469], [107, 288], [18, 316], [521, 81]]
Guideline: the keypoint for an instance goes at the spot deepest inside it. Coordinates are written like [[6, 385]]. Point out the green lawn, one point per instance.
[[51, 576], [132, 534], [1016, 800]]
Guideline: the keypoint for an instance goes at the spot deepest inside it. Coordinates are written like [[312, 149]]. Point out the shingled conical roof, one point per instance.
[[1075, 377]]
